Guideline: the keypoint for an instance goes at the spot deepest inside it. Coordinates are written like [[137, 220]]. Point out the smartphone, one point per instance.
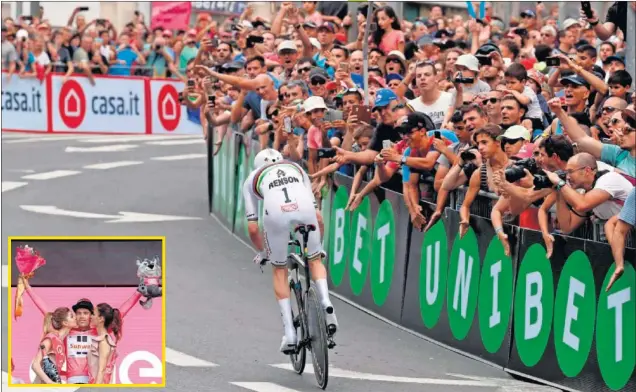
[[288, 124], [101, 22], [363, 113], [520, 31], [190, 83], [437, 135], [211, 100], [326, 153], [481, 22], [180, 97], [587, 9], [484, 60], [552, 61], [387, 144], [27, 17], [84, 9], [344, 67], [373, 27]]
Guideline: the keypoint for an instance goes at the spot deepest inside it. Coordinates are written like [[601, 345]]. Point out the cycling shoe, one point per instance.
[[288, 345], [332, 321]]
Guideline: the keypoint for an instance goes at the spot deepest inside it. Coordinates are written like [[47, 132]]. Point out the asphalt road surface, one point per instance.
[[223, 323]]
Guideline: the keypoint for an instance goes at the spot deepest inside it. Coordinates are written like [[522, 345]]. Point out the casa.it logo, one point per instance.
[[169, 108], [72, 104]]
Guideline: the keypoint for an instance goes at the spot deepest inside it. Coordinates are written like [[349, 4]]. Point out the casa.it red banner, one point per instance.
[[172, 15], [140, 349]]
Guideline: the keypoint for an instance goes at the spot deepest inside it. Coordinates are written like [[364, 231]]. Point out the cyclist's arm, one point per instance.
[[251, 213], [39, 303]]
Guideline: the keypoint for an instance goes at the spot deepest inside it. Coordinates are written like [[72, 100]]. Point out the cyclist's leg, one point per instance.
[[321, 224], [276, 242]]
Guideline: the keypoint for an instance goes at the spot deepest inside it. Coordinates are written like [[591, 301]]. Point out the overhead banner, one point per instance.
[[113, 105], [24, 105], [171, 15]]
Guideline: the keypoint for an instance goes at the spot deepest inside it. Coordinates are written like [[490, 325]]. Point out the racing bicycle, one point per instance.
[[308, 314]]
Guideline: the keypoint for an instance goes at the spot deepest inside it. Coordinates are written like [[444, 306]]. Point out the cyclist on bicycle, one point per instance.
[[288, 200]]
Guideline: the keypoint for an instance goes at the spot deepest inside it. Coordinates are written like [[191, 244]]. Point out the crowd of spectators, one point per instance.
[[530, 122]]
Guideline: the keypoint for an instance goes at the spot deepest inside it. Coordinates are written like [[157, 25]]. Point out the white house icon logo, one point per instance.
[[72, 104], [169, 107]]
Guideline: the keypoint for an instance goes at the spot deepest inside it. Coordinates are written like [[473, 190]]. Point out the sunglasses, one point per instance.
[[286, 52], [491, 100], [398, 107], [318, 82], [394, 60], [615, 121], [303, 70], [608, 109], [511, 141]]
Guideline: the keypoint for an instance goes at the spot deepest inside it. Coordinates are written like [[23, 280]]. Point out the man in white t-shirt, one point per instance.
[[434, 103], [605, 192]]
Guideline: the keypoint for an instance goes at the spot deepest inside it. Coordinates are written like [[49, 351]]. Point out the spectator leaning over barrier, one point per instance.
[[82, 58], [495, 159], [617, 229], [621, 156], [605, 192], [9, 54], [554, 152]]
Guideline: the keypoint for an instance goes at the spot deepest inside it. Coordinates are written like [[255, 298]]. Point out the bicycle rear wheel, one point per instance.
[[318, 336], [299, 358]]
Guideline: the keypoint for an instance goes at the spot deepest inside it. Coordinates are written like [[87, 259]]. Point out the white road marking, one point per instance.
[[508, 384], [263, 387], [5, 383], [112, 165], [9, 185], [341, 373], [113, 148], [177, 142], [179, 157], [5, 275], [123, 217], [50, 138], [180, 359], [138, 138], [51, 175]]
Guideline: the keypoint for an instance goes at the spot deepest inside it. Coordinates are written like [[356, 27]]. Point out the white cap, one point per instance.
[[550, 29], [570, 22], [469, 61], [314, 102], [315, 43], [290, 45], [396, 53], [22, 33], [516, 132]]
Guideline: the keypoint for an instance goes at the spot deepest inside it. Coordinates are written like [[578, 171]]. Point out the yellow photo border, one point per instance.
[[93, 238]]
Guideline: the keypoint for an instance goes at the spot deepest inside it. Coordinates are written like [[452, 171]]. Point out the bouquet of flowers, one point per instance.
[[27, 260]]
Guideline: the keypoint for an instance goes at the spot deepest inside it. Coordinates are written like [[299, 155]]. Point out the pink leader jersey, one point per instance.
[[78, 346], [93, 359]]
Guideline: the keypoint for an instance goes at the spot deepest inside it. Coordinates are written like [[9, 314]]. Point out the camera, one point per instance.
[[469, 168], [484, 60], [462, 80], [516, 172], [541, 181], [467, 156]]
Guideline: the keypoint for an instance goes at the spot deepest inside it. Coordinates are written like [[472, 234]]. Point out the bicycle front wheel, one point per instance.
[[299, 358], [318, 337]]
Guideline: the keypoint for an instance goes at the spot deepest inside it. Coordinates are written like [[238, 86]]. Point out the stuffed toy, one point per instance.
[[149, 274]]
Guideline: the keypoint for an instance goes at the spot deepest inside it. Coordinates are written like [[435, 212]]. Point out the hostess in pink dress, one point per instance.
[[93, 359]]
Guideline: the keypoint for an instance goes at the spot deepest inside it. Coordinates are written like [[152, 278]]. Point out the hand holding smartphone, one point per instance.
[[586, 6]]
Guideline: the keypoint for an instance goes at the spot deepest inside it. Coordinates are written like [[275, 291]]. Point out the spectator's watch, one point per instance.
[[560, 185], [403, 160]]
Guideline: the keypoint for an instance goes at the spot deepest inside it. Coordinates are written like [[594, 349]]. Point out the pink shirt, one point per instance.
[[526, 151], [390, 41], [93, 359], [314, 138], [78, 346]]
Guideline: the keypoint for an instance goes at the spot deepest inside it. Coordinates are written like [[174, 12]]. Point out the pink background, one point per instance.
[[172, 15], [142, 329]]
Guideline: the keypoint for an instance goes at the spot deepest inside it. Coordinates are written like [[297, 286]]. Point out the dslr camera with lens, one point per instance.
[[516, 172], [541, 181]]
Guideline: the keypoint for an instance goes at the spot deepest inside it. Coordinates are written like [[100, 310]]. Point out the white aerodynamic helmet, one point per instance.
[[267, 156]]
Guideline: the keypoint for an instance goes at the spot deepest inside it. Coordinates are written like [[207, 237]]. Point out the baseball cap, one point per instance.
[[574, 79], [393, 76], [378, 79], [314, 102], [22, 33], [83, 304], [469, 61], [413, 121], [529, 13], [615, 57], [310, 24], [425, 40], [487, 48], [328, 26], [570, 22], [396, 54], [317, 72], [287, 45], [516, 132], [383, 97]]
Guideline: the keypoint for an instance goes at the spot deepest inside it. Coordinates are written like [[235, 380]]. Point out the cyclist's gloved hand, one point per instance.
[[261, 258]]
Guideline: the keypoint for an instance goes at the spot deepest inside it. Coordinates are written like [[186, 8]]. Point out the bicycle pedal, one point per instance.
[[330, 343]]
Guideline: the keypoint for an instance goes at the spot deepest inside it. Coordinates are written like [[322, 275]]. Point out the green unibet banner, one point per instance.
[[459, 290], [367, 248], [568, 329], [550, 319]]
